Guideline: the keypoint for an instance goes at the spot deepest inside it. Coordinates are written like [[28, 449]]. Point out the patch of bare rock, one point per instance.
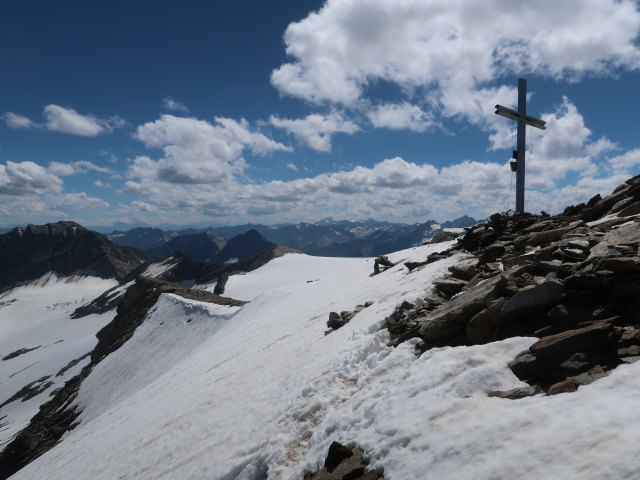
[[344, 463], [572, 280], [339, 320]]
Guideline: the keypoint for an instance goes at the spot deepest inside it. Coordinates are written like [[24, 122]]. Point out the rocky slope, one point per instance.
[[573, 280], [66, 248]]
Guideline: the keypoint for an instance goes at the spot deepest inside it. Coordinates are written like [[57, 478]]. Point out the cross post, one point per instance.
[[523, 120]]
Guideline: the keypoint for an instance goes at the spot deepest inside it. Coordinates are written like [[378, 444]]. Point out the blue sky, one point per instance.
[[201, 113]]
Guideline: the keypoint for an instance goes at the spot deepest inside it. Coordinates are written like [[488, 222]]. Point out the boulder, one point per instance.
[[449, 286], [463, 272], [597, 336], [451, 318], [629, 210], [533, 299], [344, 463], [482, 327], [516, 393], [443, 237], [565, 386], [547, 236]]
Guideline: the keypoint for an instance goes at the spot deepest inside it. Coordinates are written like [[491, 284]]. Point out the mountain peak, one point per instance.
[[66, 248]]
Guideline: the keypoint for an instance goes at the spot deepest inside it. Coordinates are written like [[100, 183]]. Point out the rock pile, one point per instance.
[[381, 264], [573, 284], [338, 320], [344, 463]]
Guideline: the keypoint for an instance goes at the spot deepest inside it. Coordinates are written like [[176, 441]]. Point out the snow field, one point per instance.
[[260, 392], [38, 315]]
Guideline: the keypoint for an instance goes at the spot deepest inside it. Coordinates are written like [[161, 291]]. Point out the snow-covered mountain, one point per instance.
[[511, 353]]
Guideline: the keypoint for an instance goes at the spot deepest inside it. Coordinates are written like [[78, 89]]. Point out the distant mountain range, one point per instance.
[[327, 237]]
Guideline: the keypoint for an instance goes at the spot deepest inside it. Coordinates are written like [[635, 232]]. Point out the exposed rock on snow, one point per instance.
[[337, 320], [574, 285], [344, 463]]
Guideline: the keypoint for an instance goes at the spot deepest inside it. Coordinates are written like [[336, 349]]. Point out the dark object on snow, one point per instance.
[[381, 264], [344, 463]]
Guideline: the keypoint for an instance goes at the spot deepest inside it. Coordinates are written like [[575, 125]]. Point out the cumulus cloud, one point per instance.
[[315, 130], [15, 120], [27, 178], [453, 47], [196, 151], [399, 116], [74, 201], [173, 105], [565, 164], [626, 161], [67, 120], [75, 168]]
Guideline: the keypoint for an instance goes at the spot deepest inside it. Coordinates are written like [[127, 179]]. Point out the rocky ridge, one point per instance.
[[572, 280], [66, 248]]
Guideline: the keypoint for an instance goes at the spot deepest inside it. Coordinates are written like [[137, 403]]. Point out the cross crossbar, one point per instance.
[[518, 117]]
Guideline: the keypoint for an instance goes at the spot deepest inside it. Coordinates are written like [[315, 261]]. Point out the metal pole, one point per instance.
[[522, 130]]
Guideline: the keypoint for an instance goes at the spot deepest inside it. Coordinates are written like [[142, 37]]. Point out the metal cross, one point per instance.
[[523, 120]]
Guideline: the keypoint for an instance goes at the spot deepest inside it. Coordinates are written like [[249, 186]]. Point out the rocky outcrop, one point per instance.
[[66, 248], [59, 415], [339, 320], [344, 463], [573, 285]]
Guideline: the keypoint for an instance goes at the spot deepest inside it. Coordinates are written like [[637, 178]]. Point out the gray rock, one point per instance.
[[517, 393], [534, 298], [443, 237], [451, 318], [449, 286]]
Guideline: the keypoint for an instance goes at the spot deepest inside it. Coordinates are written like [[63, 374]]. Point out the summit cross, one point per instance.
[[523, 120]]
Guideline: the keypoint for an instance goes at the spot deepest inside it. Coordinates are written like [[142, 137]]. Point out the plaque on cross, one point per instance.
[[523, 120]]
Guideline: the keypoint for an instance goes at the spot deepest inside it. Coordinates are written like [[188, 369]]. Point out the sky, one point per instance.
[[221, 113]]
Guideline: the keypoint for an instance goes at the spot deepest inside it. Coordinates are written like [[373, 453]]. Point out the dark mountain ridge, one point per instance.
[[202, 247], [66, 248]]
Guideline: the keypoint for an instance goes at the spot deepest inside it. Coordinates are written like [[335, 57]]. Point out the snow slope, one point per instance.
[[260, 392], [37, 317]]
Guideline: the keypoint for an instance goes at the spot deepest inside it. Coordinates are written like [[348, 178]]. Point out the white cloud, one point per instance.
[[315, 130], [196, 151], [67, 120], [15, 120], [566, 166], [100, 184], [173, 105], [27, 178], [398, 116], [626, 161], [292, 166], [75, 168], [74, 201], [453, 51]]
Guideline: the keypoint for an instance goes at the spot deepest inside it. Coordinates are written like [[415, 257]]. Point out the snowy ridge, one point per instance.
[[260, 392], [172, 329]]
